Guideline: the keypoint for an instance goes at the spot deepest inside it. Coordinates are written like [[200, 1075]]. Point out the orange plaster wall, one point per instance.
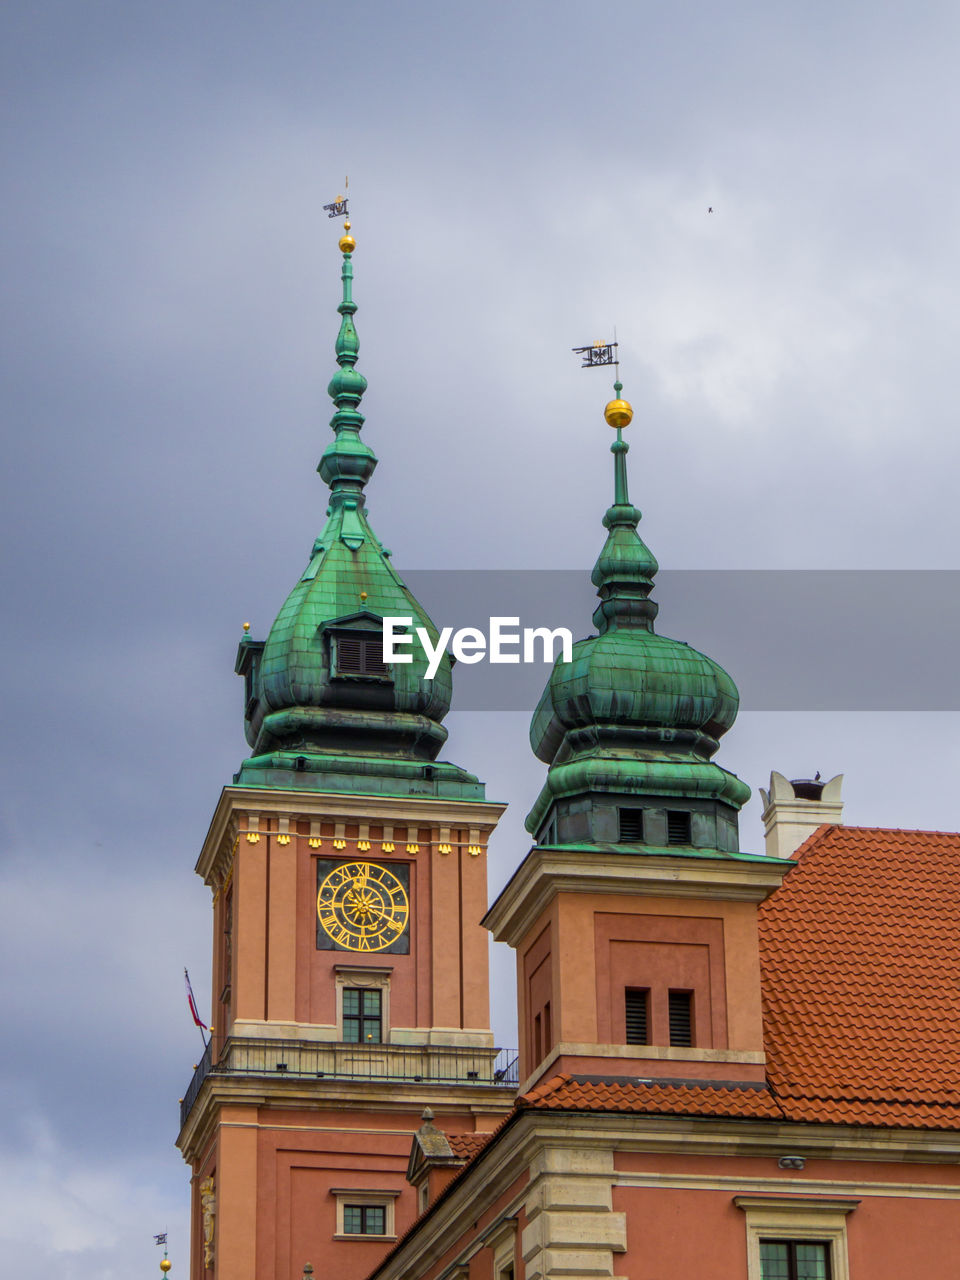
[[301, 1156], [661, 953], [443, 981], [583, 959], [675, 1232], [237, 1204], [475, 942], [446, 925], [282, 942], [250, 934]]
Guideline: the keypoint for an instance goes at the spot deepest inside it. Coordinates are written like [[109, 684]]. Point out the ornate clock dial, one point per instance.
[[362, 906]]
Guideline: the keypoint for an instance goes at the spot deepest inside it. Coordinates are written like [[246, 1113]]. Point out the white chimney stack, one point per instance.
[[793, 810]]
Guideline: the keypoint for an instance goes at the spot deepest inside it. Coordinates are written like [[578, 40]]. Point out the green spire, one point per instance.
[[625, 569], [633, 719], [316, 717], [348, 462]]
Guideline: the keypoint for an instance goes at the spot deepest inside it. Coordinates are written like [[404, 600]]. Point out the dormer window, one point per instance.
[[359, 655]]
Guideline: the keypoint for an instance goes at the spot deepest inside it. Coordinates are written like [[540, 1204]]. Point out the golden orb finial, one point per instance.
[[619, 413], [347, 242], [363, 595], [165, 1265], [246, 628]]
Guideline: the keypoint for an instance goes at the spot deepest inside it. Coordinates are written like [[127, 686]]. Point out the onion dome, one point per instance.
[[629, 725], [322, 709]]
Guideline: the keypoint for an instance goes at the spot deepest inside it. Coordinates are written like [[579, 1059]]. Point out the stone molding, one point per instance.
[[477, 817], [546, 872]]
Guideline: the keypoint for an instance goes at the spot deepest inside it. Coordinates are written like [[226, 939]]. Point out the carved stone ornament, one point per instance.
[[208, 1206]]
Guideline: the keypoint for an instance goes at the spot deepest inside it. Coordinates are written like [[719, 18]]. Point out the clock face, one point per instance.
[[363, 906]]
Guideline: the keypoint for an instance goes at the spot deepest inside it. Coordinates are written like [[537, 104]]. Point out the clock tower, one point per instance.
[[347, 870]]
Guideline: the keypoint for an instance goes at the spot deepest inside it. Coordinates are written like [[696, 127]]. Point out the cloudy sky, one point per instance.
[[524, 177]]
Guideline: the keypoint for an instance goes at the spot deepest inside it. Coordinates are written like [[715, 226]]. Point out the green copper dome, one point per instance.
[[323, 710], [632, 721]]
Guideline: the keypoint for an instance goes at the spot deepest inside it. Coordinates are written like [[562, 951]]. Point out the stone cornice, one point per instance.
[[334, 1095], [423, 811], [547, 871]]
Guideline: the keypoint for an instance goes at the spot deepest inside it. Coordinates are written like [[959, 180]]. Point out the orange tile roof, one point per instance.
[[466, 1145], [587, 1093], [860, 953]]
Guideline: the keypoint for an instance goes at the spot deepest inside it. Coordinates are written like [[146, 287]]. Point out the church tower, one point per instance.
[[634, 916], [347, 868]]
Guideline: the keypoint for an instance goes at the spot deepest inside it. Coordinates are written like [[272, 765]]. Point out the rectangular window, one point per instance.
[[631, 826], [681, 1017], [794, 1260], [637, 1002], [362, 1018], [364, 1220], [678, 826], [360, 656]]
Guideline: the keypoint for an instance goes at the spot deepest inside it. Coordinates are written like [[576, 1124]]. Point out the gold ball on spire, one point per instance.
[[619, 413], [347, 242], [165, 1265], [246, 627]]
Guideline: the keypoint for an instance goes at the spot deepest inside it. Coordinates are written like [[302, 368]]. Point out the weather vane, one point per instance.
[[598, 353], [165, 1263], [338, 208]]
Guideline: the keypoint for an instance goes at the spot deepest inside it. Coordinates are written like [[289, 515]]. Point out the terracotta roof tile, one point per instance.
[[586, 1093], [466, 1145], [860, 953]]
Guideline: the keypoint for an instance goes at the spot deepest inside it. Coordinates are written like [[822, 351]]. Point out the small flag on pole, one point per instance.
[[337, 208], [597, 353], [193, 1005], [161, 1238]]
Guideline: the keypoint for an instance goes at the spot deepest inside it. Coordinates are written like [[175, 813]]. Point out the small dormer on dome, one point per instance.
[[630, 725], [322, 710]]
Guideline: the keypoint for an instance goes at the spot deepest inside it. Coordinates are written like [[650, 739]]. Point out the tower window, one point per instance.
[[364, 1220], [678, 826], [359, 656], [681, 1017], [631, 825], [637, 1002], [362, 1016]]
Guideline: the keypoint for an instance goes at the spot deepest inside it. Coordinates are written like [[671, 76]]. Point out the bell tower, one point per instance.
[[634, 916], [347, 870]]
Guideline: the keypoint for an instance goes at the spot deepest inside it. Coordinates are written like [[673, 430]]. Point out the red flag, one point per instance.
[[193, 1004]]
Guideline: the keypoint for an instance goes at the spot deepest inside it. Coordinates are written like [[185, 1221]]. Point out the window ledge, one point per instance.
[[370, 1237]]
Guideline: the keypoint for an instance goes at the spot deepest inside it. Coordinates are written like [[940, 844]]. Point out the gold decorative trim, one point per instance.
[[283, 838], [445, 848], [253, 837], [388, 846], [474, 850], [413, 848], [314, 842]]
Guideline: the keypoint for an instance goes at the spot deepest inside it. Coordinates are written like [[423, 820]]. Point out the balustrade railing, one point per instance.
[[317, 1060]]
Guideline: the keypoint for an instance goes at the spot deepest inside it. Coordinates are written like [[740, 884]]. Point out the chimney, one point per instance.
[[793, 810]]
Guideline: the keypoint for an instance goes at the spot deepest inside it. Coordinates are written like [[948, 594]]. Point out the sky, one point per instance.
[[523, 178]]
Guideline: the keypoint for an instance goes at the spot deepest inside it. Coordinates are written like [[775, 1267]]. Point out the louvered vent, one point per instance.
[[681, 1017], [637, 1016], [678, 826], [360, 656], [631, 825]]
